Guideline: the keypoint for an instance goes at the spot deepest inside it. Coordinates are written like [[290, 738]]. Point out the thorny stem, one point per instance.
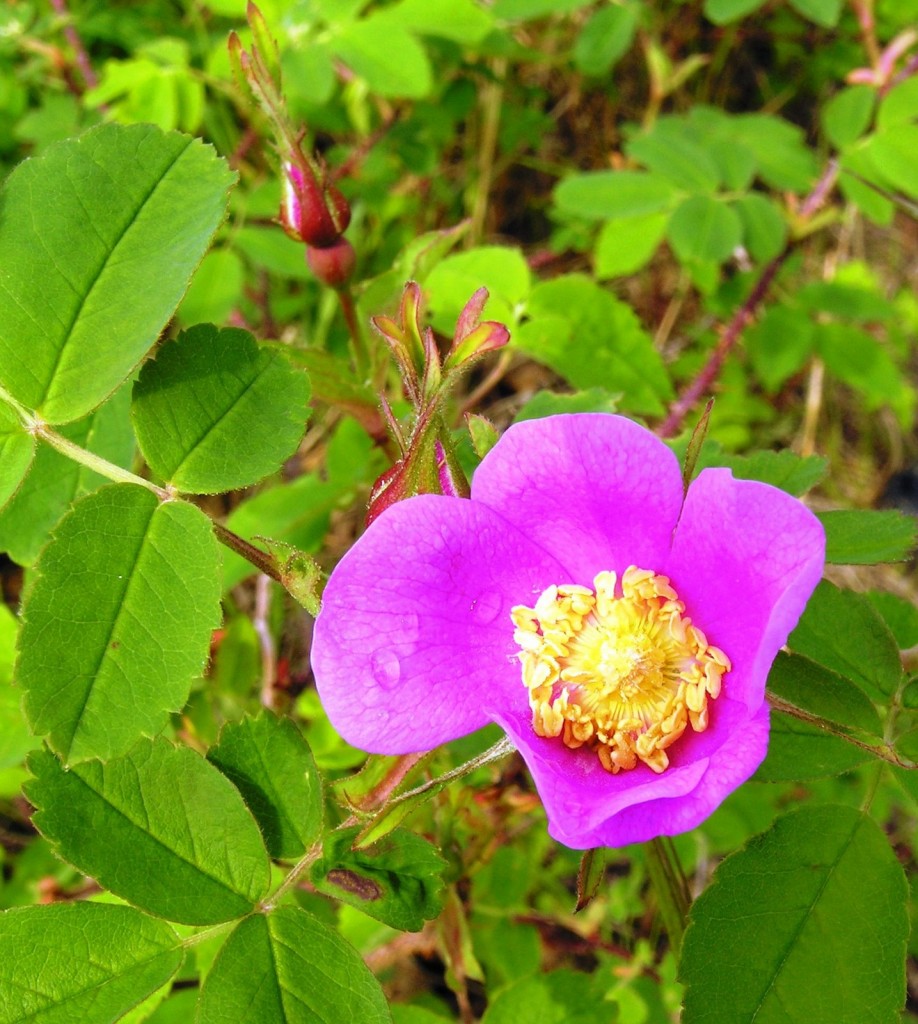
[[732, 333], [884, 751]]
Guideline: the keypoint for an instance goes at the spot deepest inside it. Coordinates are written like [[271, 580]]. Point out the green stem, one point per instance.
[[358, 341], [294, 875], [96, 463], [670, 888]]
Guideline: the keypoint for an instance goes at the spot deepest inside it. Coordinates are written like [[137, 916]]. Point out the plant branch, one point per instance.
[[733, 331], [670, 888]]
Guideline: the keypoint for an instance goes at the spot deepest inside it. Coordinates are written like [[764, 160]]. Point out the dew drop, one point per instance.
[[487, 607], [385, 667]]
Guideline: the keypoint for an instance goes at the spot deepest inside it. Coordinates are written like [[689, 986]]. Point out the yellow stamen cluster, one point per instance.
[[623, 674]]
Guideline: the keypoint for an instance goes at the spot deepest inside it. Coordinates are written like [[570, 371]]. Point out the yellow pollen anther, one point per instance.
[[621, 673]]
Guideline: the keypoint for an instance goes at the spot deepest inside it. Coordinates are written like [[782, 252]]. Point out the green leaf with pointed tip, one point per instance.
[[118, 621], [17, 449], [55, 480], [286, 967], [807, 925], [98, 241], [215, 412], [270, 763], [160, 827], [868, 536], [76, 963], [398, 880], [842, 631]]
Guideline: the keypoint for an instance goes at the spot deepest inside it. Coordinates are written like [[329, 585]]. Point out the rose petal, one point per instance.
[[414, 644], [598, 491], [745, 559], [588, 806]]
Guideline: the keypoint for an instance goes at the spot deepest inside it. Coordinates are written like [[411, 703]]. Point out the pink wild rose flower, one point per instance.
[[620, 635]]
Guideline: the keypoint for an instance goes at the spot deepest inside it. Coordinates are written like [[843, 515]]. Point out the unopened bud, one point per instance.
[[334, 264], [310, 213]]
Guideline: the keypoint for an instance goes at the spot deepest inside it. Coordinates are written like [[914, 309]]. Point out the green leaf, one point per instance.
[[792, 473], [17, 450], [521, 10], [783, 158], [463, 21], [503, 271], [390, 58], [215, 289], [801, 752], [898, 106], [270, 763], [847, 115], [843, 632], [815, 689], [118, 621], [288, 968], [807, 924], [899, 614], [549, 403], [160, 827], [591, 338], [606, 38], [78, 963], [780, 344], [704, 229], [868, 536], [397, 880], [86, 229], [215, 412], [626, 244], [894, 153], [723, 11], [669, 149], [55, 480], [599, 195], [823, 12], [764, 227], [15, 738], [556, 997]]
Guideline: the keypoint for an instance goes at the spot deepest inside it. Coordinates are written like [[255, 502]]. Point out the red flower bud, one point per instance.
[[309, 212], [333, 264]]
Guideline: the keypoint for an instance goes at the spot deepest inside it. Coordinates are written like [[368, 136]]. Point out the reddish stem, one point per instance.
[[733, 331], [76, 43]]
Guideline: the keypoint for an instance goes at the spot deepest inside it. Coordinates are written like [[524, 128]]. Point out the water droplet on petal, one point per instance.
[[385, 667], [487, 607]]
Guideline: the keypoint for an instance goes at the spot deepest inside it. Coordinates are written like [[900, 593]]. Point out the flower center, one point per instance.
[[621, 673]]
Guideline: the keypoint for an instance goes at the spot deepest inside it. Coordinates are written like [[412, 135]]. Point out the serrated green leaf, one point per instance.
[[286, 967], [898, 106], [86, 228], [215, 412], [118, 621], [81, 963], [160, 827], [397, 880], [17, 450], [270, 763], [591, 338], [602, 195], [899, 614], [779, 344], [893, 151], [703, 229], [549, 403], [55, 480], [868, 536], [842, 631], [830, 696], [806, 925], [793, 473]]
